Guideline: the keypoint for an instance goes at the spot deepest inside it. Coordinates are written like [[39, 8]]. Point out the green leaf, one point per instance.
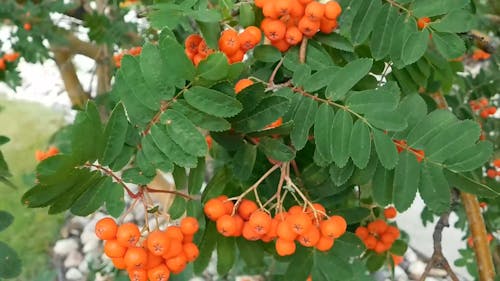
[[399, 248], [244, 161], [154, 76], [449, 44], [353, 216], [114, 135], [303, 120], [214, 68], [451, 140], [178, 208], [415, 46], [457, 21], [210, 31], [266, 112], [348, 245], [201, 119], [388, 120], [383, 186], [197, 177], [171, 149], [430, 8], [342, 127], [301, 74], [316, 57], [345, 78], [339, 176], [226, 254], [375, 262], [381, 37], [467, 183], [434, 189], [266, 53], [405, 27], [166, 15], [91, 199], [247, 15], [216, 185], [4, 140], [320, 79], [386, 149], [180, 178], [178, 64], [470, 158], [184, 133], [206, 247], [431, 125], [276, 150], [213, 102], [87, 135], [323, 132], [385, 98], [205, 15], [406, 179], [115, 203], [251, 252], [134, 175], [329, 267], [300, 265], [360, 144], [335, 41], [6, 219], [10, 263], [364, 21]]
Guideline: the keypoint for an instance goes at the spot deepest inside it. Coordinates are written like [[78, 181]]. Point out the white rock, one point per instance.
[[84, 267], [91, 246], [410, 255], [87, 236], [73, 274], [248, 278], [197, 279], [65, 246], [73, 259], [416, 269]]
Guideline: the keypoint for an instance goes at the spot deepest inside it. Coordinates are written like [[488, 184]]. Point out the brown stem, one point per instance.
[[174, 192], [479, 236], [275, 71], [70, 79], [303, 50], [116, 178]]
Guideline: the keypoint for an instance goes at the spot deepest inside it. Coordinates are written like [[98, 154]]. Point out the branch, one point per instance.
[[72, 84], [303, 50], [174, 192]]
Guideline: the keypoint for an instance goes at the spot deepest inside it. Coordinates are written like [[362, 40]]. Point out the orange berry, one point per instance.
[[370, 242], [397, 259], [260, 3], [327, 26], [379, 247], [27, 26], [198, 58], [237, 57], [119, 263], [177, 264], [388, 238], [174, 250], [174, 233], [285, 247], [390, 212], [309, 28], [491, 110], [332, 10], [191, 251], [106, 229], [239, 223], [242, 84], [275, 30], [362, 232], [128, 234], [310, 238], [158, 243], [249, 38], [377, 226], [189, 226], [277, 123], [192, 42], [12, 57], [496, 163], [333, 227], [422, 22], [249, 233], [228, 42], [305, 2], [3, 66], [246, 208], [325, 243], [320, 211], [203, 49], [260, 221], [282, 7], [214, 209], [269, 10], [394, 231], [293, 35], [154, 260], [296, 9], [300, 223], [314, 11], [296, 209], [114, 249], [138, 275], [226, 225], [285, 231], [136, 258], [159, 273]]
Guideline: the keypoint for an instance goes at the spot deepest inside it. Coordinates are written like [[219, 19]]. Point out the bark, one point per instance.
[[70, 79]]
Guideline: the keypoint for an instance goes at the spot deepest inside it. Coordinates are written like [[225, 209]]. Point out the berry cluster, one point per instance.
[[402, 145], [232, 44], [152, 258], [311, 227], [483, 106], [423, 22], [479, 54], [135, 51], [378, 235], [495, 170], [11, 57], [286, 22], [42, 155]]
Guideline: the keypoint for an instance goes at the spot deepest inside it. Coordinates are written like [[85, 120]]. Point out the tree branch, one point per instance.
[[72, 84], [303, 50]]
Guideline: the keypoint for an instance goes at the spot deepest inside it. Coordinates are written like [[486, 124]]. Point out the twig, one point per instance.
[[275, 71], [303, 50], [174, 192], [116, 178], [438, 258]]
